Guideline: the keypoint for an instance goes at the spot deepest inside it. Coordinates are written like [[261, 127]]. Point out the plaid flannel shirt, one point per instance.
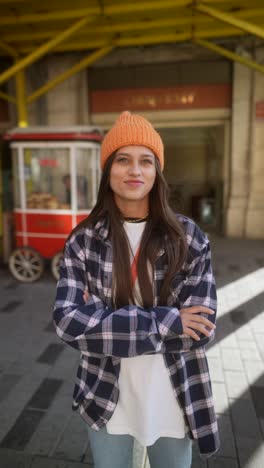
[[104, 335]]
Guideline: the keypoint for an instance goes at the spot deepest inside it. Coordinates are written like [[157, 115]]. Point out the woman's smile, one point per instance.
[[134, 183]]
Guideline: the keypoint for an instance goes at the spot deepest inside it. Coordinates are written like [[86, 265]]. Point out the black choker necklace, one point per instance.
[[136, 220]]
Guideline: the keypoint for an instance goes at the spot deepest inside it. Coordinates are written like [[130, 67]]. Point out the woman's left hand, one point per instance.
[[85, 296]]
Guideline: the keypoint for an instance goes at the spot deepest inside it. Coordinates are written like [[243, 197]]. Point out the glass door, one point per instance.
[[193, 170]]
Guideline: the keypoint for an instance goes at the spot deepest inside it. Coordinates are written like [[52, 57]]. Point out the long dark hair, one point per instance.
[[162, 231]]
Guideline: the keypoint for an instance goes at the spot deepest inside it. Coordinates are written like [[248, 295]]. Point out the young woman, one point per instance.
[[136, 297]]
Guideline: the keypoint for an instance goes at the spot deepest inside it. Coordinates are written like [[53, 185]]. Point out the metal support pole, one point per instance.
[[21, 99]]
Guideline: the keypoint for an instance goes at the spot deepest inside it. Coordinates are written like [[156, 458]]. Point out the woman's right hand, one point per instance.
[[192, 321], [85, 296]]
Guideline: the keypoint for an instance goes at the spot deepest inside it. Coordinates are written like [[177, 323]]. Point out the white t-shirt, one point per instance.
[[147, 407]]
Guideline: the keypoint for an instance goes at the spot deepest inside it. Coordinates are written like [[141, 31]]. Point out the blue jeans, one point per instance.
[[115, 451]]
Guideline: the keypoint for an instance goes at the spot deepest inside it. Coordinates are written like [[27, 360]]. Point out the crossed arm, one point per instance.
[[85, 323]]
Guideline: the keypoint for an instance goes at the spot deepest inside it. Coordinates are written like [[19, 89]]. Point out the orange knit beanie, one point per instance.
[[131, 129]]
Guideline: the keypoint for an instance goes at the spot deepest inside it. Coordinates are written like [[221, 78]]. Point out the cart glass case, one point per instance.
[[56, 175]]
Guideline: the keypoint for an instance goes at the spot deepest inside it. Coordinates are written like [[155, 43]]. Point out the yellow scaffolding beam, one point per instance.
[[7, 97], [109, 10], [42, 50], [230, 19], [134, 26], [230, 55], [21, 99], [153, 39], [9, 49], [11, 1], [46, 17], [78, 45], [91, 58]]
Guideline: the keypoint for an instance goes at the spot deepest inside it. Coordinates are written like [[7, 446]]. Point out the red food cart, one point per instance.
[[56, 174]]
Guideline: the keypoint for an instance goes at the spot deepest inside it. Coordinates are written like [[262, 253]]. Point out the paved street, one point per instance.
[[38, 428]]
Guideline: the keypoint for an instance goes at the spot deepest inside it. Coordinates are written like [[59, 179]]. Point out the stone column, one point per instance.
[[68, 102], [240, 152], [37, 76], [255, 213]]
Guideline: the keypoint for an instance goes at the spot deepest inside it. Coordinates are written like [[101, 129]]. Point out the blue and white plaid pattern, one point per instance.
[[104, 335]]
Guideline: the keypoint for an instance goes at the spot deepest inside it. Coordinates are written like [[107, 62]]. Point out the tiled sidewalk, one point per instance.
[[37, 427]]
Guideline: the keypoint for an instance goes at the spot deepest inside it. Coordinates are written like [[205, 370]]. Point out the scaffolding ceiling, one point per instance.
[[31, 29], [26, 25]]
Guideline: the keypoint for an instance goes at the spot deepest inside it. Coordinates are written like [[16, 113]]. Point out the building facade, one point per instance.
[[208, 110]]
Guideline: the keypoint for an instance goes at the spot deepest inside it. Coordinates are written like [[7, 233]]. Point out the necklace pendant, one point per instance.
[[136, 220]]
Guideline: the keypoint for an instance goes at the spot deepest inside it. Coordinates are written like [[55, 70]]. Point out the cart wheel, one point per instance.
[[55, 265], [26, 264]]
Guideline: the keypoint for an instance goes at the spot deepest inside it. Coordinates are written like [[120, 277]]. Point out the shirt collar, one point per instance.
[[102, 229]]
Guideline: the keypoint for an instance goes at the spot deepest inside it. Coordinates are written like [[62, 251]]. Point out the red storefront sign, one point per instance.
[[145, 99], [260, 110]]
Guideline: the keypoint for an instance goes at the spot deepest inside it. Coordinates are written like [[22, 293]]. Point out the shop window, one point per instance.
[[44, 169]]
